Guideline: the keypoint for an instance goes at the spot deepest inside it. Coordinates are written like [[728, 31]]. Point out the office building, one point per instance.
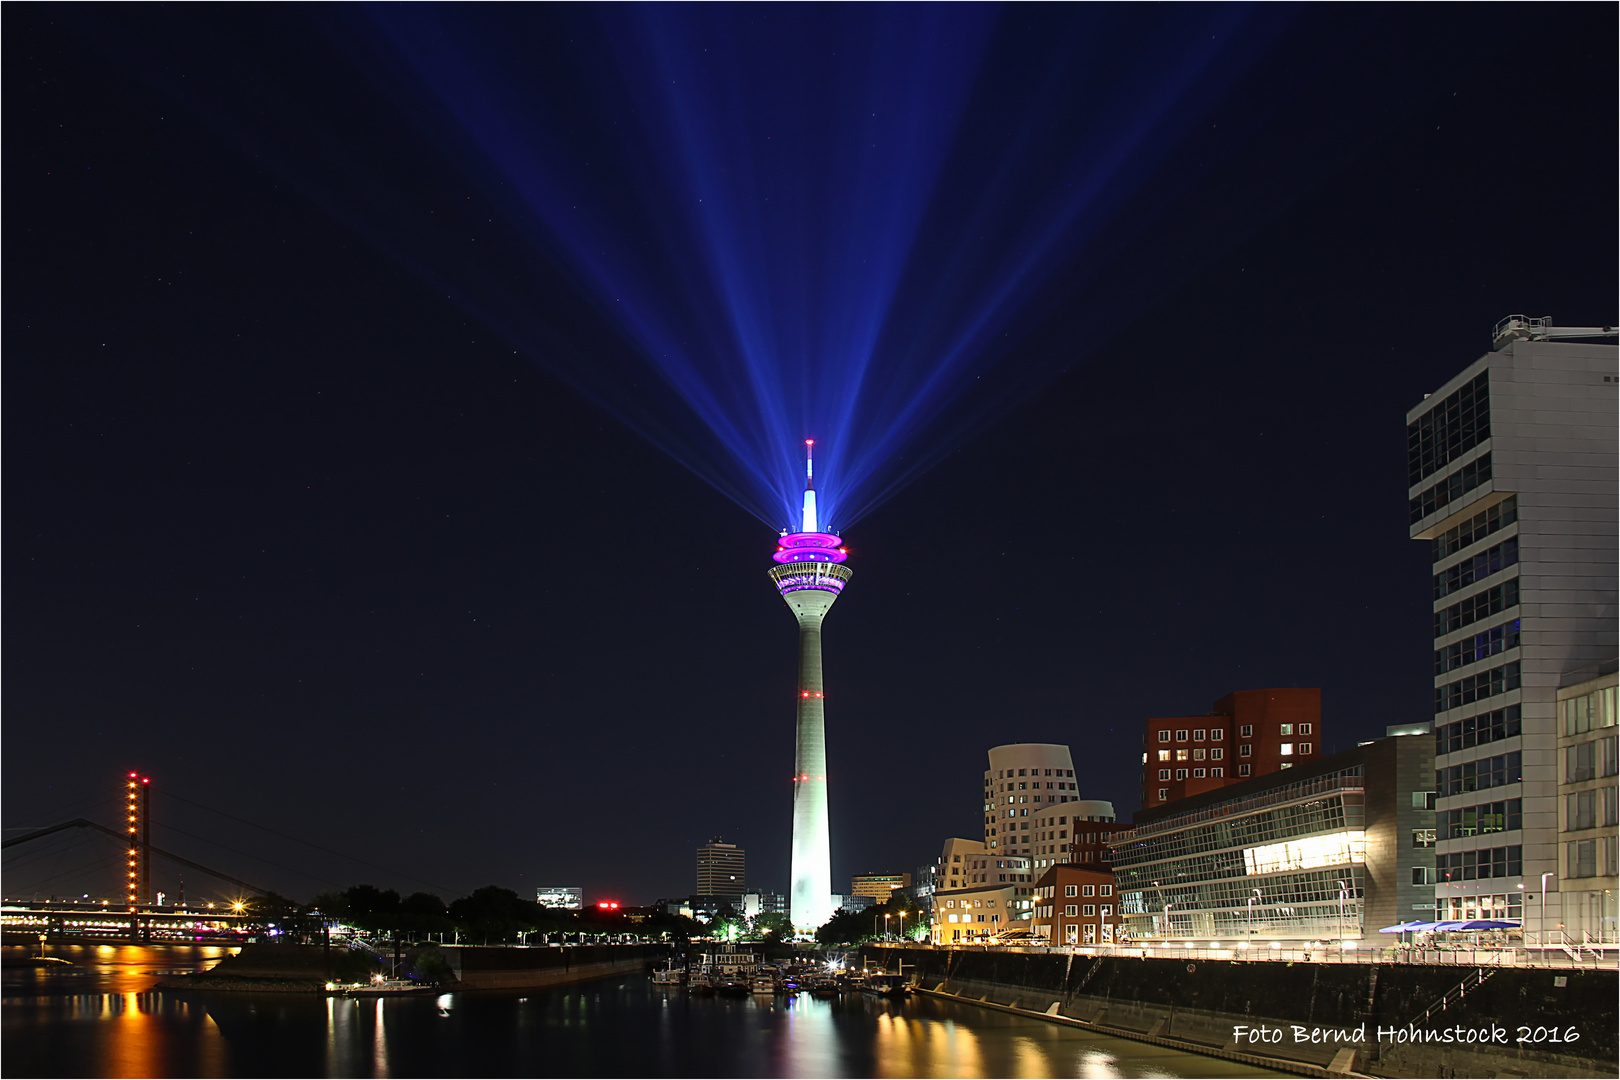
[[1023, 782], [809, 575], [980, 893], [1587, 819], [1512, 472], [1330, 849], [567, 897], [1246, 733], [878, 886], [722, 870], [764, 903], [1075, 905]]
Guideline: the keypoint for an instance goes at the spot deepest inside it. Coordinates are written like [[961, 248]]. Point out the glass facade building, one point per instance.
[[1321, 851]]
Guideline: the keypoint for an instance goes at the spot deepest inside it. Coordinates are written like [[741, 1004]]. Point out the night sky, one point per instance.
[[387, 580]]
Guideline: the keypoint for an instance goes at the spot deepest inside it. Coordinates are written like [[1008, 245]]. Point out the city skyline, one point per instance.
[[296, 536]]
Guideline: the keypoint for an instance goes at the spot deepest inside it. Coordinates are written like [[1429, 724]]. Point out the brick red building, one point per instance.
[[1246, 733], [1076, 905]]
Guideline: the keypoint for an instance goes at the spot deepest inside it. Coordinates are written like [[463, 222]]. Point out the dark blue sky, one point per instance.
[[315, 541]]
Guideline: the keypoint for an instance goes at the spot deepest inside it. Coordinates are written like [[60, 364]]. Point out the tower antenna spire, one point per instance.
[[807, 517]]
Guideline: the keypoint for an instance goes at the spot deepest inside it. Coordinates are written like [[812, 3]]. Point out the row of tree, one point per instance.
[[494, 914]]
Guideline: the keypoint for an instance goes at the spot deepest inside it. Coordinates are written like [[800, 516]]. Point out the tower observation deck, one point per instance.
[[809, 574]]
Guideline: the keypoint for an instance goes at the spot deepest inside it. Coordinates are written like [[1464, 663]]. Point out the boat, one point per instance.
[[700, 982], [824, 986], [390, 988], [731, 986], [669, 975], [763, 983], [884, 984]]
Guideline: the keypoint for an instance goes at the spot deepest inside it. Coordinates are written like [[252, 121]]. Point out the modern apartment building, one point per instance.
[[1024, 781], [1331, 849], [1512, 472], [1246, 733], [722, 870], [1587, 819]]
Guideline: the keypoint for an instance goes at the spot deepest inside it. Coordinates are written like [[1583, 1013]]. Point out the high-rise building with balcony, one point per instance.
[[1511, 477]]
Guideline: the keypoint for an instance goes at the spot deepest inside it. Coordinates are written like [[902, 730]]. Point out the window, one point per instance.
[[1105, 890], [1181, 774], [1107, 910], [1071, 909], [1422, 875], [1181, 755], [1422, 838], [1164, 736], [1465, 573], [1217, 734], [1285, 729], [1089, 911], [1450, 429], [1181, 735], [1088, 890], [1465, 479], [1164, 793], [1286, 749], [1217, 771], [1198, 774], [1469, 650], [1245, 750], [1071, 890], [1304, 747], [1243, 770], [1164, 755], [1246, 731], [1216, 753], [1198, 735], [1304, 729]]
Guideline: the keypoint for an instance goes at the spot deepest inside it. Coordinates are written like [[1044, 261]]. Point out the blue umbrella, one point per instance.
[[1488, 924], [1401, 928]]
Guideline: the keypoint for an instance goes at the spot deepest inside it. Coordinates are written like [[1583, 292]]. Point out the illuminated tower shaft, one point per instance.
[[809, 575]]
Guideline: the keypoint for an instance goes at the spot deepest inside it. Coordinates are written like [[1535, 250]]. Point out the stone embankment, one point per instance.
[[267, 968], [1314, 1019]]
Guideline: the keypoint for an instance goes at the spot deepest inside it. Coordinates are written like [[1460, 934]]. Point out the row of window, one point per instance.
[[1214, 753], [1590, 809], [1504, 816], [1471, 609], [1498, 680], [1450, 489], [1590, 760], [1452, 428], [1198, 734], [1478, 527], [1087, 911], [1199, 774], [1588, 712], [1470, 731], [1484, 863], [1061, 785], [1005, 774], [1480, 775], [1481, 646], [1476, 567]]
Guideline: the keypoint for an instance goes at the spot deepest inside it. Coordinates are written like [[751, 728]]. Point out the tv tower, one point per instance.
[[809, 573]]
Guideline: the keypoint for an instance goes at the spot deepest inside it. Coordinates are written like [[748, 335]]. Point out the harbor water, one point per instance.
[[101, 1016]]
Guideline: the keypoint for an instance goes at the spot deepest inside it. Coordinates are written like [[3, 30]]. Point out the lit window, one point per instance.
[[1164, 793], [1286, 749], [1286, 765], [1164, 755], [1181, 755], [1198, 754], [1285, 729]]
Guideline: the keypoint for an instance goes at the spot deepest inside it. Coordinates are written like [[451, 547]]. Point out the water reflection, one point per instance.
[[615, 1027]]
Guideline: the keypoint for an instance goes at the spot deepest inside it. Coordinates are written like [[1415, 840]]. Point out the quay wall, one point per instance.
[[495, 967], [1201, 1003]]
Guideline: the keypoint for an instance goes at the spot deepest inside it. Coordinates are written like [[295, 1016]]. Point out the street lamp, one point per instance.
[[1256, 898], [886, 918], [1541, 935], [1167, 907], [902, 924], [1343, 893]]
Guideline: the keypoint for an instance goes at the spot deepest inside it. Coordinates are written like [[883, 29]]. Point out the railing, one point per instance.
[[1305, 789], [1488, 956]]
